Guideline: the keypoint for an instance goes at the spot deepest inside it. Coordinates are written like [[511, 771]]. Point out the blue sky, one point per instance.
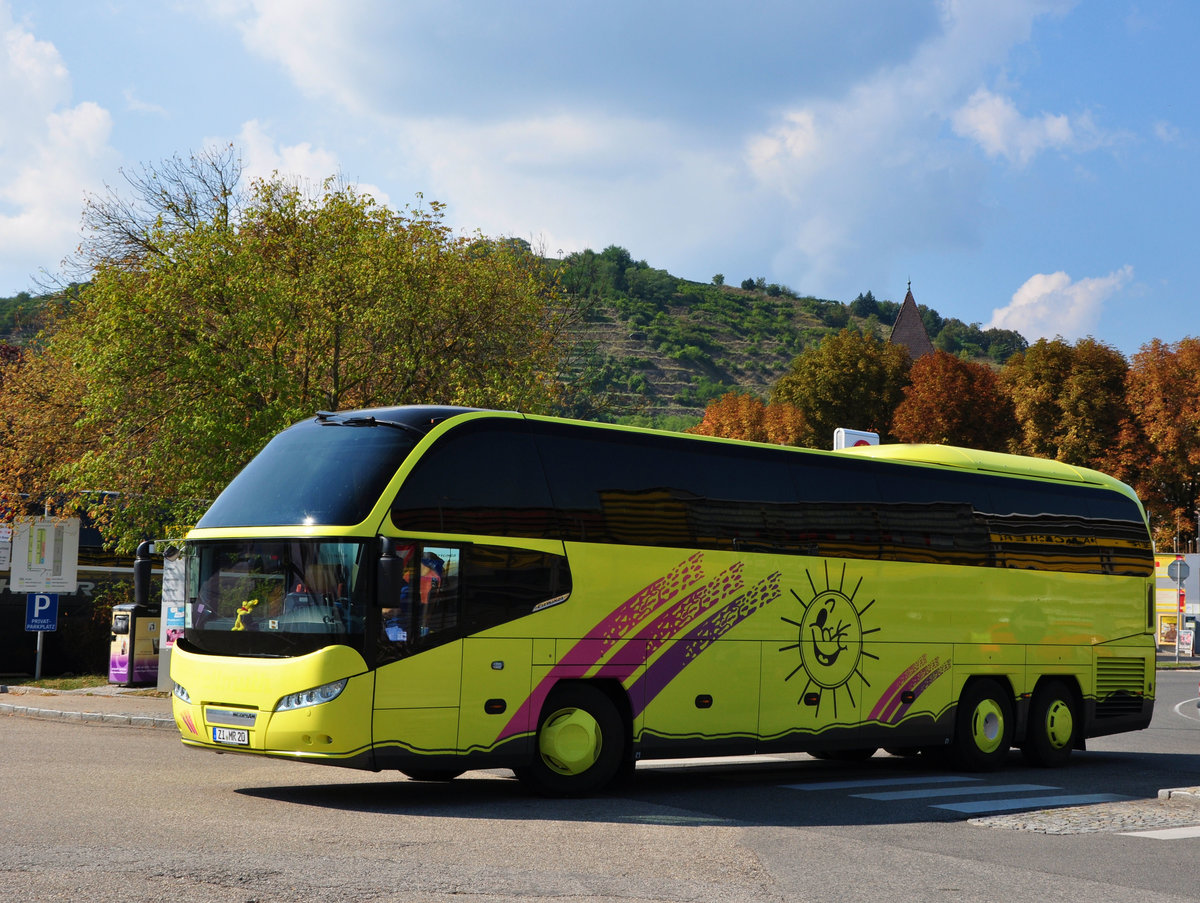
[[1029, 164]]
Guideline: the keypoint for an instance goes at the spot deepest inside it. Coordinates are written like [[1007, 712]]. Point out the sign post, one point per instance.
[[45, 562], [41, 615]]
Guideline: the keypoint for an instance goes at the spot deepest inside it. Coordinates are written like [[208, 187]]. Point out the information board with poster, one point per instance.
[[1187, 642], [1177, 591], [45, 555]]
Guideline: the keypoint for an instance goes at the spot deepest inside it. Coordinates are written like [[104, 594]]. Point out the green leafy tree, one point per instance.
[[849, 380], [1069, 400], [207, 334]]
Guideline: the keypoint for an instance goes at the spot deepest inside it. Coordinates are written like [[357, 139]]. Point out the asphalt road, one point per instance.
[[104, 813]]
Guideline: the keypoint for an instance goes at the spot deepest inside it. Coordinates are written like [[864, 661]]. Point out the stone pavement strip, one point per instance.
[[95, 705]]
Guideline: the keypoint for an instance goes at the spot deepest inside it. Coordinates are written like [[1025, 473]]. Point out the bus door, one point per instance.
[[419, 664]]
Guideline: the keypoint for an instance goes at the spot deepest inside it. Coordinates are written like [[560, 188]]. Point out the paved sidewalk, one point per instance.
[[99, 705]]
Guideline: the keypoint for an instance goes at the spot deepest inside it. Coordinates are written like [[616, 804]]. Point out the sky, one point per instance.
[[1025, 164]]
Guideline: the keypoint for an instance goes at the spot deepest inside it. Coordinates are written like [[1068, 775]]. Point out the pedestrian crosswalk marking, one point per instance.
[[930, 787], [881, 782], [1033, 802], [975, 790], [1166, 833]]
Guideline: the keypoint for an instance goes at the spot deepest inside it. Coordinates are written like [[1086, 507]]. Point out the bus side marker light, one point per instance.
[[812, 699], [495, 706], [704, 701]]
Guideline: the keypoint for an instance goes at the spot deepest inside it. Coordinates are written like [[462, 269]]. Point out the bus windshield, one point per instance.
[[325, 472], [275, 597]]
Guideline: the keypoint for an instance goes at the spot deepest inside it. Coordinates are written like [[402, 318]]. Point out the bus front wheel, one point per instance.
[[983, 726], [580, 743], [1053, 725]]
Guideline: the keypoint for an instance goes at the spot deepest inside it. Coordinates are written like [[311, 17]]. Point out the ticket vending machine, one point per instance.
[[133, 650]]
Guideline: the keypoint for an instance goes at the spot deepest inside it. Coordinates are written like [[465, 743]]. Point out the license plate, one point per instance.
[[231, 736]]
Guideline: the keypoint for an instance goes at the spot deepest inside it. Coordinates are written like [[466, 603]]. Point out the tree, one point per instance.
[[955, 402], [39, 393], [1158, 450], [850, 380], [201, 340], [864, 306], [1069, 400], [736, 415]]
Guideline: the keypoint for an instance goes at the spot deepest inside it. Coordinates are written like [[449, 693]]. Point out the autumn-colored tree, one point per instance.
[[736, 415], [1158, 451], [39, 393], [954, 402], [1069, 400], [784, 423], [208, 328], [850, 380]]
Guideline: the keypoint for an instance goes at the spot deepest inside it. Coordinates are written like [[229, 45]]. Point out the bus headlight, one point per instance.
[[181, 694], [315, 696]]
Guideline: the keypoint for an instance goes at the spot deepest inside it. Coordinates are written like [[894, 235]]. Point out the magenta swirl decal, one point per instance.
[[681, 654], [914, 679], [605, 635]]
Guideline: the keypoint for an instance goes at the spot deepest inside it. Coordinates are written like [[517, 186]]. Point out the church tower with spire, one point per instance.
[[909, 329]]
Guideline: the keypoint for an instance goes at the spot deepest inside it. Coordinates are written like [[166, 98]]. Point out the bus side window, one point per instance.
[[436, 599], [503, 584], [395, 599]]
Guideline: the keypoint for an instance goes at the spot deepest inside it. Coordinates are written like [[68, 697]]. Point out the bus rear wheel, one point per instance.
[[580, 743], [983, 726], [1053, 725]]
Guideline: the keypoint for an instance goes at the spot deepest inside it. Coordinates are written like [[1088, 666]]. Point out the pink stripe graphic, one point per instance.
[[917, 678], [681, 654], [606, 634]]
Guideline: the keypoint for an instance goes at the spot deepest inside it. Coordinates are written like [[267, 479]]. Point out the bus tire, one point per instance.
[[983, 726], [1053, 725], [431, 774], [580, 743]]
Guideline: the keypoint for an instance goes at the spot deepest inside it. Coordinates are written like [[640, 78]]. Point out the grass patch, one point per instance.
[[69, 682]]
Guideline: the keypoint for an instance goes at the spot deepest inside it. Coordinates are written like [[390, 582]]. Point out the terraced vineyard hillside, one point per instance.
[[657, 348]]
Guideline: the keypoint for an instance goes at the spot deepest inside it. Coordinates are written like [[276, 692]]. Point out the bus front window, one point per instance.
[[275, 597]]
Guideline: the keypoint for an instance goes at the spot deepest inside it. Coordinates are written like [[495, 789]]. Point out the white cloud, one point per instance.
[[328, 51], [1050, 304], [865, 177], [572, 178], [832, 186], [997, 126], [309, 166], [51, 154], [1166, 132]]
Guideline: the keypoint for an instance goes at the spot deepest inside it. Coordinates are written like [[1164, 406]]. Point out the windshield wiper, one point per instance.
[[326, 418]]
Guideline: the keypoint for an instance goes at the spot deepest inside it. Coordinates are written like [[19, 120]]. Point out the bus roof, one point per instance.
[[989, 462]]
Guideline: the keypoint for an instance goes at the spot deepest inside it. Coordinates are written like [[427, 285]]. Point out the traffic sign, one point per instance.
[[1178, 570], [41, 611]]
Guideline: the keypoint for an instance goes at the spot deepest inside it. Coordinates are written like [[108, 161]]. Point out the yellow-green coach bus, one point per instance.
[[437, 589]]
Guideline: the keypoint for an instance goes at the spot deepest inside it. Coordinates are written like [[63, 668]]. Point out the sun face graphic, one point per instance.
[[830, 641]]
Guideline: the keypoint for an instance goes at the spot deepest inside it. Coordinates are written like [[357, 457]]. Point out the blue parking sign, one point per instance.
[[41, 611]]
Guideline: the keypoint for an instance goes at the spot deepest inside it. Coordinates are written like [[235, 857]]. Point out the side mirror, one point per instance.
[[388, 573]]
